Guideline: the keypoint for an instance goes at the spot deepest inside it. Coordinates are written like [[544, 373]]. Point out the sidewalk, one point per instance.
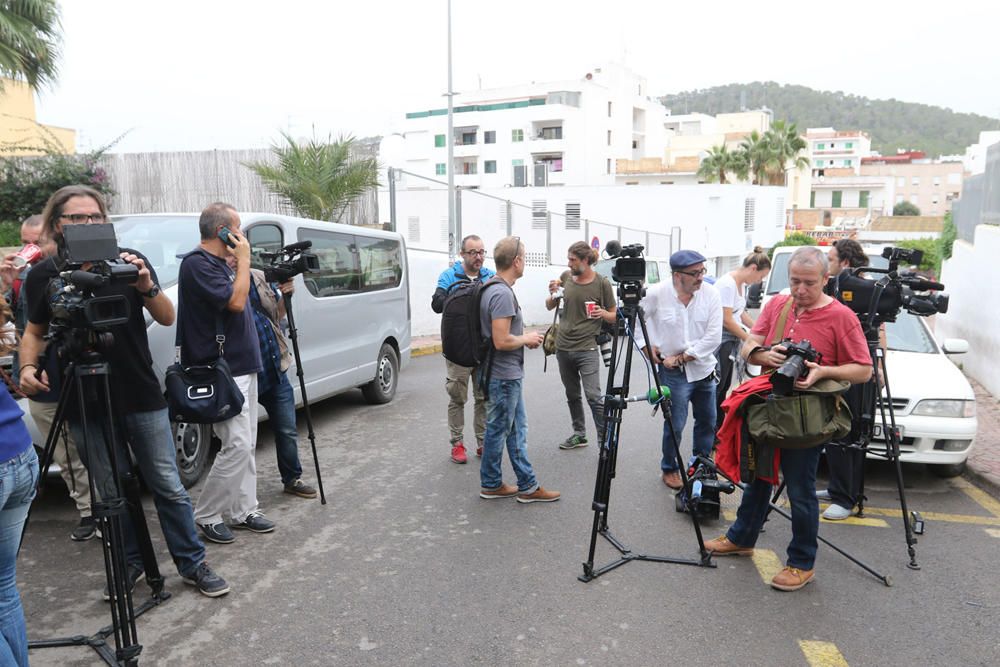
[[984, 462], [983, 465]]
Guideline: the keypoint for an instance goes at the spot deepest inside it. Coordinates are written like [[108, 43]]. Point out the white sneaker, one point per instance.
[[836, 513], [823, 495]]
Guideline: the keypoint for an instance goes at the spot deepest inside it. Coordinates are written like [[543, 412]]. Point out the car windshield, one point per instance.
[[908, 334], [778, 279], [161, 239]]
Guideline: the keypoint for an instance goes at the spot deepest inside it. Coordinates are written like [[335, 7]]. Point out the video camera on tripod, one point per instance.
[[706, 487], [629, 271], [881, 300], [89, 261], [289, 262]]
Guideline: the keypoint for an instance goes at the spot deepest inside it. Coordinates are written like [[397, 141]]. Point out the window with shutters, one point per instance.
[[749, 212]]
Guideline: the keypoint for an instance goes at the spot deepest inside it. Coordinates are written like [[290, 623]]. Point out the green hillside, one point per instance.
[[892, 124]]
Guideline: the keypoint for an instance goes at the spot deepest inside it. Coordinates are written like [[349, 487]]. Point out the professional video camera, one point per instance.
[[881, 300], [705, 489], [75, 309], [289, 262], [794, 366], [629, 271]]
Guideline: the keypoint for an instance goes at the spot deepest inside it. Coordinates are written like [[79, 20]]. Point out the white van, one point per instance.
[[352, 317]]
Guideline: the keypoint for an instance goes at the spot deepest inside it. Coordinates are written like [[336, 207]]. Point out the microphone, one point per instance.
[[652, 396], [296, 247]]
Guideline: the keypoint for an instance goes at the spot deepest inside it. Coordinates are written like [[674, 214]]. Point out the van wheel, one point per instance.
[[383, 387], [192, 442]]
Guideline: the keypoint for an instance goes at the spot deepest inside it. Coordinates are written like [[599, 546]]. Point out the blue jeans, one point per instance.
[[506, 422], [18, 477], [279, 401], [149, 435], [701, 395], [798, 469]]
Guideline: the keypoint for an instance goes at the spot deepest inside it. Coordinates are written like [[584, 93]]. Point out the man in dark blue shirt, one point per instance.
[[273, 389], [213, 300]]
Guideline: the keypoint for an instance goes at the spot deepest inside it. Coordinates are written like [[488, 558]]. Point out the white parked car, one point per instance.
[[934, 404]]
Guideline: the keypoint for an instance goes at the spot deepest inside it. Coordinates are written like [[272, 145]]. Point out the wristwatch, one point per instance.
[[153, 291]]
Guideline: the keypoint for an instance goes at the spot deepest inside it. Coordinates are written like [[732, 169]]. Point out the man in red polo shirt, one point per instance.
[[834, 331]]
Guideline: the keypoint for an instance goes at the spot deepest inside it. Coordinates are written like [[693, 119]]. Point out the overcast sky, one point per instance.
[[196, 75]]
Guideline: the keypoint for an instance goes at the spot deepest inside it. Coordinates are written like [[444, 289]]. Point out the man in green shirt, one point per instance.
[[576, 347]]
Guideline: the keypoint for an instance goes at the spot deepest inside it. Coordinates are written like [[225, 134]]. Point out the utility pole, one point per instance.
[[451, 153]]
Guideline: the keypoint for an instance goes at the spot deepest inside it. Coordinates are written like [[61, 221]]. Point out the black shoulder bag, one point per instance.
[[206, 393]]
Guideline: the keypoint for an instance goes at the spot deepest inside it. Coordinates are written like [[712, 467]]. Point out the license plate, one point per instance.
[[877, 432]]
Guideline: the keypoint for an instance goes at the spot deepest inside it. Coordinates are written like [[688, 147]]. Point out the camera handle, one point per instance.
[[293, 334]]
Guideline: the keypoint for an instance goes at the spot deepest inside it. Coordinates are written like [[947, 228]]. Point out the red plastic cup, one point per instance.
[[29, 254]]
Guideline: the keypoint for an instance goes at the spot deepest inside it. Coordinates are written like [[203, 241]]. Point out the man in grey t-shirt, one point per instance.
[[503, 374]]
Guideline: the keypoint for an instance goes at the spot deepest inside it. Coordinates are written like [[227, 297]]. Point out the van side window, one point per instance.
[[263, 238], [652, 272], [381, 265], [338, 263]]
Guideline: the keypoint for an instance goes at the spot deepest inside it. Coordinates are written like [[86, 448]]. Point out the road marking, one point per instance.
[[730, 515], [822, 654], [768, 564], [983, 499], [993, 532], [858, 521], [425, 350], [938, 516]]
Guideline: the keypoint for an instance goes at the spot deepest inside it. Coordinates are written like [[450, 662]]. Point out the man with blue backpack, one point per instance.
[[454, 280]]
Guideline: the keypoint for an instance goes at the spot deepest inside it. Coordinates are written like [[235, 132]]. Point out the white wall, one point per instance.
[[974, 309]]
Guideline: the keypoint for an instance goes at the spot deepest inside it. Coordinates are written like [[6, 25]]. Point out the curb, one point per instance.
[[424, 350], [983, 480]]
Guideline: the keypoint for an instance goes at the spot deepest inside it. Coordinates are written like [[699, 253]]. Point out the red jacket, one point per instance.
[[727, 456]]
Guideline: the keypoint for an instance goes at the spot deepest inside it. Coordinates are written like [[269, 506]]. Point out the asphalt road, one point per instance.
[[406, 565]]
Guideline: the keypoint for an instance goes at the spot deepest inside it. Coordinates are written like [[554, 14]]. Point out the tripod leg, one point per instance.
[[293, 334]]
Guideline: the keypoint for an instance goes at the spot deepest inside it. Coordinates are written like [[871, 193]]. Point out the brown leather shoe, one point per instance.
[[721, 546], [539, 495], [792, 579], [503, 491], [672, 479]]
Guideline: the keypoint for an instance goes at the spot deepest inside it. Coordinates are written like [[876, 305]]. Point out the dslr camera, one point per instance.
[[794, 366]]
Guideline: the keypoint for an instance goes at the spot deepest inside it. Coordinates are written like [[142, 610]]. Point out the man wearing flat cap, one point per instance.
[[684, 322]]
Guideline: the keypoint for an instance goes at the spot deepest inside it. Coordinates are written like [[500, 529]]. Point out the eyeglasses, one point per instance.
[[475, 253], [694, 274], [78, 218]]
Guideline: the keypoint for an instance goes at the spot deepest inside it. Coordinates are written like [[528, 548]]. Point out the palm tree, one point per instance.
[[318, 179], [785, 146], [719, 162], [757, 153], [29, 41]]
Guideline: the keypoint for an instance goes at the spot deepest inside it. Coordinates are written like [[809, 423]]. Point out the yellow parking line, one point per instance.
[[993, 532], [768, 564], [938, 516], [983, 499], [859, 521], [822, 654]]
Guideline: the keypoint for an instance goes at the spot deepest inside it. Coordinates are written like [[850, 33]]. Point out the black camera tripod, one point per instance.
[[615, 401], [88, 378]]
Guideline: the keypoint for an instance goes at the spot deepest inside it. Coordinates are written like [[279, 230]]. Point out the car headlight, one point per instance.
[[939, 407]]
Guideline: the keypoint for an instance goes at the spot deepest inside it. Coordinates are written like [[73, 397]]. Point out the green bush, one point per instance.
[[932, 253], [10, 234], [27, 183], [948, 236], [905, 208], [796, 238]]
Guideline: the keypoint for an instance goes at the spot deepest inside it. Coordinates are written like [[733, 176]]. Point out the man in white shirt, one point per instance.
[[684, 322]]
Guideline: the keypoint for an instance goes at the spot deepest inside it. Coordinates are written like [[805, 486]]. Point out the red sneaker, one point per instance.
[[458, 452]]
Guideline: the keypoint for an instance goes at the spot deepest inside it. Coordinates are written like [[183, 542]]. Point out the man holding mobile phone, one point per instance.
[[214, 298]]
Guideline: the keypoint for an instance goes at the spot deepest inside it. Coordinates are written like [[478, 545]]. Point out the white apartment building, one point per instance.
[[975, 155], [830, 149], [538, 134]]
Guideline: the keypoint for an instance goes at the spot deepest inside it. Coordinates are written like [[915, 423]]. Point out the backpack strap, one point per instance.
[[220, 335]]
